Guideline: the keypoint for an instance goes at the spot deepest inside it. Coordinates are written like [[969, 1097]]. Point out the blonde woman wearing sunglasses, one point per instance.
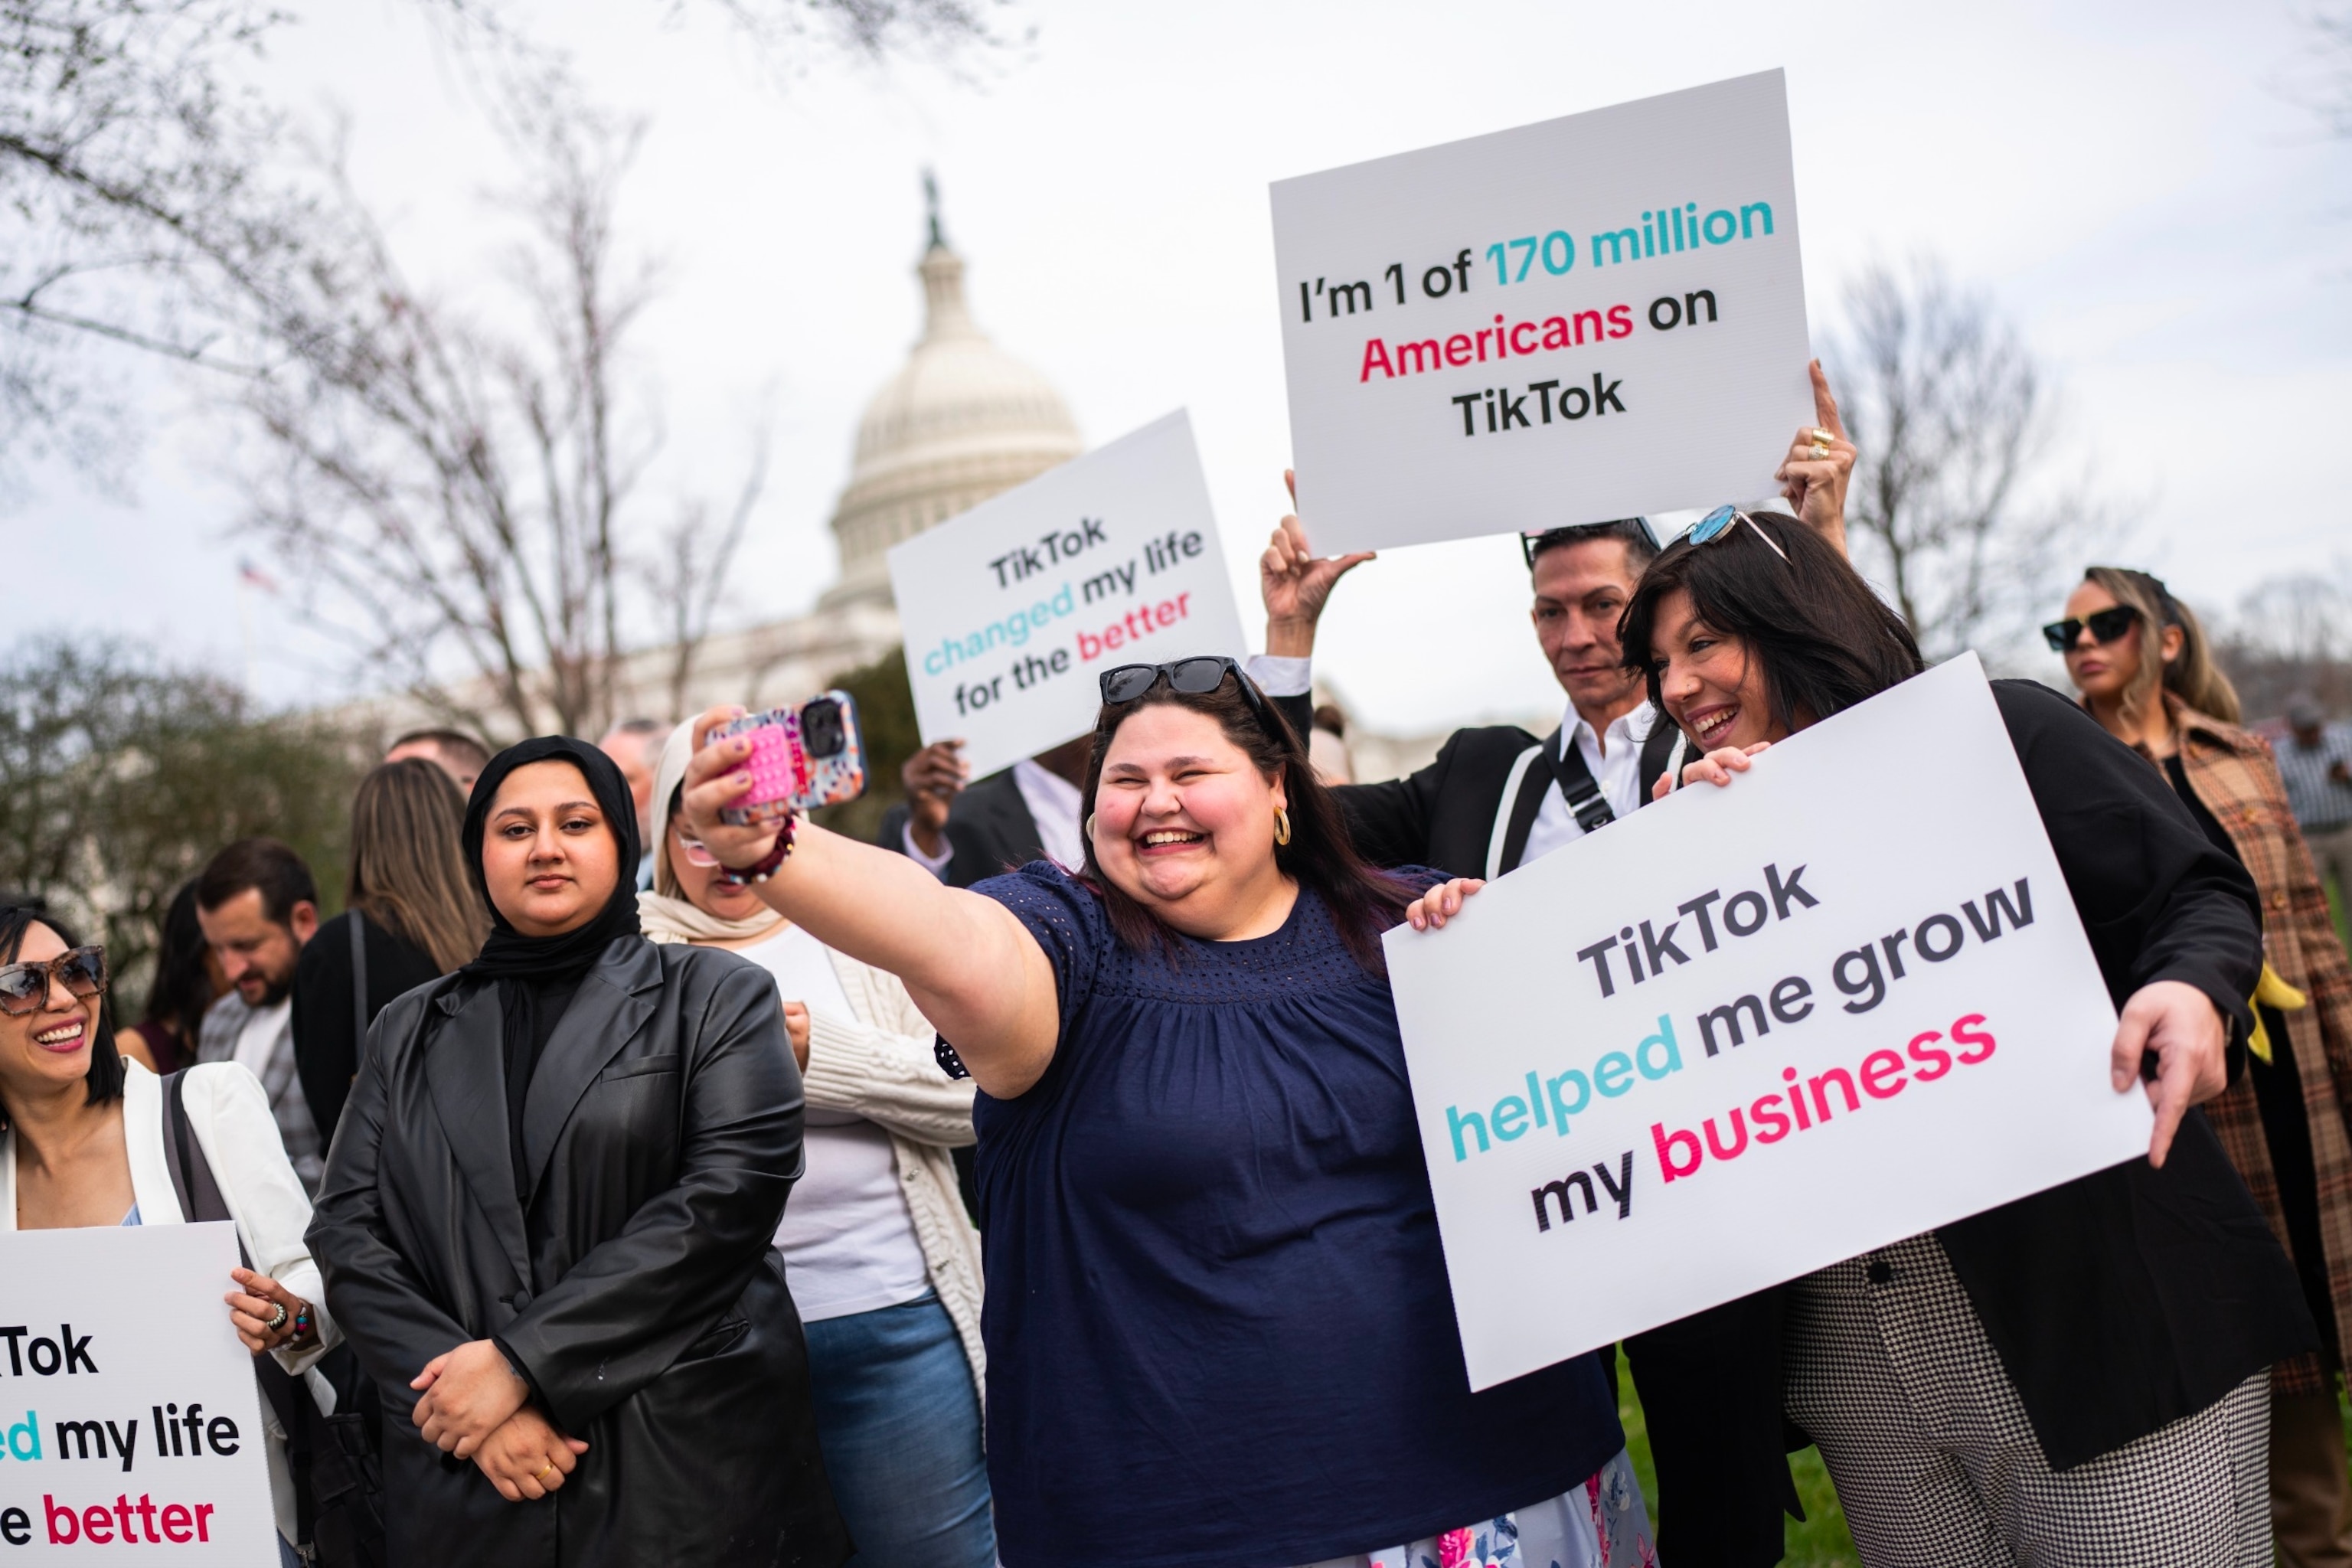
[[883, 1262], [83, 1142]]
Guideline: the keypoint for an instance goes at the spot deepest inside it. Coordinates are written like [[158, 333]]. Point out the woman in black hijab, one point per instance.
[[545, 1221]]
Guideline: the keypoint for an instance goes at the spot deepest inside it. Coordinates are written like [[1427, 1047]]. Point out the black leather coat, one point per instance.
[[638, 1286]]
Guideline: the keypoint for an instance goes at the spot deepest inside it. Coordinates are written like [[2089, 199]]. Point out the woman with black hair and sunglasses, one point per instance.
[[83, 1142], [1217, 1321], [2075, 1378]]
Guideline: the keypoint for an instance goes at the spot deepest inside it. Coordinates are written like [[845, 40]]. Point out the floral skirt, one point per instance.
[[1601, 1524]]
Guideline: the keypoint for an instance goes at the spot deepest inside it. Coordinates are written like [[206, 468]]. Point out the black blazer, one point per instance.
[[637, 1290], [2119, 1302], [326, 1046], [1444, 815], [990, 830]]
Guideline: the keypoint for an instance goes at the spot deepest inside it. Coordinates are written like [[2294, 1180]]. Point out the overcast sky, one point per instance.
[[2136, 185]]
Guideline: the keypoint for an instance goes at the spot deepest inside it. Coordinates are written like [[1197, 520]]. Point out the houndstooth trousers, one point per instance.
[[1890, 1373]]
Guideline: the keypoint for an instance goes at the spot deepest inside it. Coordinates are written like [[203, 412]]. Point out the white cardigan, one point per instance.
[[229, 1113], [882, 1067]]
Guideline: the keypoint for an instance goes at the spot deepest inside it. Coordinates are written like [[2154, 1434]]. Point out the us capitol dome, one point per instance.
[[960, 422]]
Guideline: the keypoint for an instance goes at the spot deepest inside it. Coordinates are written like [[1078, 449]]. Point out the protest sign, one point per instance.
[[127, 1410], [1590, 318], [1014, 608], [1748, 1032]]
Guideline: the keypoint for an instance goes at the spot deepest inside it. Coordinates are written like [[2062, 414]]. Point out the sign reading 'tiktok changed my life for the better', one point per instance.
[[1013, 609], [1594, 317], [1748, 1032], [129, 1415]]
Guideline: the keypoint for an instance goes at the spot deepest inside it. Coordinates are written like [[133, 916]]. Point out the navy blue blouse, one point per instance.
[[1217, 1320]]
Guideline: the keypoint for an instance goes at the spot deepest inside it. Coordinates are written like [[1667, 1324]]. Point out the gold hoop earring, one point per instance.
[[1281, 828], [1090, 826]]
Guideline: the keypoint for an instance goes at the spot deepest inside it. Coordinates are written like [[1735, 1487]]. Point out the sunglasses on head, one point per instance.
[[1195, 677], [25, 987], [1719, 521], [2105, 627]]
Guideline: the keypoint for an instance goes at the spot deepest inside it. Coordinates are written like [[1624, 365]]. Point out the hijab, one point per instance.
[[543, 973], [668, 916], [509, 954]]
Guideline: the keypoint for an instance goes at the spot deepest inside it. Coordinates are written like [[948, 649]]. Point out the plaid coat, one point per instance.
[[2234, 775]]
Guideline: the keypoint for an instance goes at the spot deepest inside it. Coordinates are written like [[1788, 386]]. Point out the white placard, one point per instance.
[[1013, 609], [1592, 317], [128, 1409], [1873, 917]]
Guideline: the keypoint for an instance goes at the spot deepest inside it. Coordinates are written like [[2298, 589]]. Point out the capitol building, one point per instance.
[[961, 421]]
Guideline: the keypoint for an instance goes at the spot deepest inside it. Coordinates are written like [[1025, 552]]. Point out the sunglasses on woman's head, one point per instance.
[[1195, 677], [25, 987], [1718, 522], [2106, 625]]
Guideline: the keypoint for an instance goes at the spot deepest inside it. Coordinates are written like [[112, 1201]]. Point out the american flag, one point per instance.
[[247, 572]]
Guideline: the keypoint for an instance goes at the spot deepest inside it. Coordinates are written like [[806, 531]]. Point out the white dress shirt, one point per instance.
[[1618, 772]]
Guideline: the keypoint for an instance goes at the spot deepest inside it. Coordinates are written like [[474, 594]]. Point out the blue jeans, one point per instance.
[[899, 1421]]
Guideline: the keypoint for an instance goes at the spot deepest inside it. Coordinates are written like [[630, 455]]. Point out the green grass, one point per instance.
[[1822, 1542]]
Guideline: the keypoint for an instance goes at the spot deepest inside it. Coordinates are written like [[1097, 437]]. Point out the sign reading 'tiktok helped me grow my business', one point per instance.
[[1590, 318], [1746, 1033], [1013, 609]]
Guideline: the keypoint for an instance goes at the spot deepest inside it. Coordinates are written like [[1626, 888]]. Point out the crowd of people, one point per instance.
[[623, 1182]]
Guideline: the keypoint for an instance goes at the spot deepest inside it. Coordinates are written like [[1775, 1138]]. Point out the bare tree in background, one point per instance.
[[1953, 417], [143, 215], [458, 489], [2290, 633]]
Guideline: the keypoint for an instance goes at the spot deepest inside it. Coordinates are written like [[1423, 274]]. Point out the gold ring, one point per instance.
[[1823, 437], [545, 1471]]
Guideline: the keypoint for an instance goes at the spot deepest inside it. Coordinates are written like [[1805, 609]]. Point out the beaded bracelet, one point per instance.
[[781, 851]]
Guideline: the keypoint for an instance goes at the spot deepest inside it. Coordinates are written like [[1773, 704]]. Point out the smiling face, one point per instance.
[[1184, 822], [46, 1052], [1710, 683], [1580, 591], [549, 858], [256, 953]]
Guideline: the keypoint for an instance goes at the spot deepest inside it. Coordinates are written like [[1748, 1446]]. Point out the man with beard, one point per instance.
[[259, 904]]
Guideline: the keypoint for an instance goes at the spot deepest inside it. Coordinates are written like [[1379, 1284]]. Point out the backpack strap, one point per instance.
[[1497, 841]]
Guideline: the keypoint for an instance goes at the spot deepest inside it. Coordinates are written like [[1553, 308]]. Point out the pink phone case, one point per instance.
[[784, 776]]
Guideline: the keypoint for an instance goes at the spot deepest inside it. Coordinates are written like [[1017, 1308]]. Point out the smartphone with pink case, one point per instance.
[[802, 758]]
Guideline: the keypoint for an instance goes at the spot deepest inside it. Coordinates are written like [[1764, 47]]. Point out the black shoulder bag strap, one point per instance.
[[200, 1200], [359, 985], [1659, 753], [1577, 784]]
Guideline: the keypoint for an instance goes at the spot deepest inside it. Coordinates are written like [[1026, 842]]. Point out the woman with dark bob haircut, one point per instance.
[[2057, 1380], [1218, 1327]]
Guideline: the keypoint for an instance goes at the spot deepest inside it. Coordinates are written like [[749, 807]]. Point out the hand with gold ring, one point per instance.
[[1819, 467], [527, 1458]]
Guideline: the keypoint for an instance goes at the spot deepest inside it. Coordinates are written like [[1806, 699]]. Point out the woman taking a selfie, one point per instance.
[[83, 1141], [883, 1265], [2139, 658], [545, 1222], [1218, 1324], [2076, 1377]]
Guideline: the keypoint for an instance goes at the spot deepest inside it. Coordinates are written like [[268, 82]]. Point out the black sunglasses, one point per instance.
[[1534, 544], [25, 987], [2106, 625], [1195, 677]]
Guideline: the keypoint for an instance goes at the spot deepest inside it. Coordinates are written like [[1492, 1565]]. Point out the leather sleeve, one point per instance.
[[626, 1311], [387, 1315]]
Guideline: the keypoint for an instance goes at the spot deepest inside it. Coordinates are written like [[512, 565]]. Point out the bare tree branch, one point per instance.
[[1954, 419]]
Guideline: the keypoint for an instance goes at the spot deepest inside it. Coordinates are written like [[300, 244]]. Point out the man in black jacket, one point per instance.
[[965, 834], [1496, 796]]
